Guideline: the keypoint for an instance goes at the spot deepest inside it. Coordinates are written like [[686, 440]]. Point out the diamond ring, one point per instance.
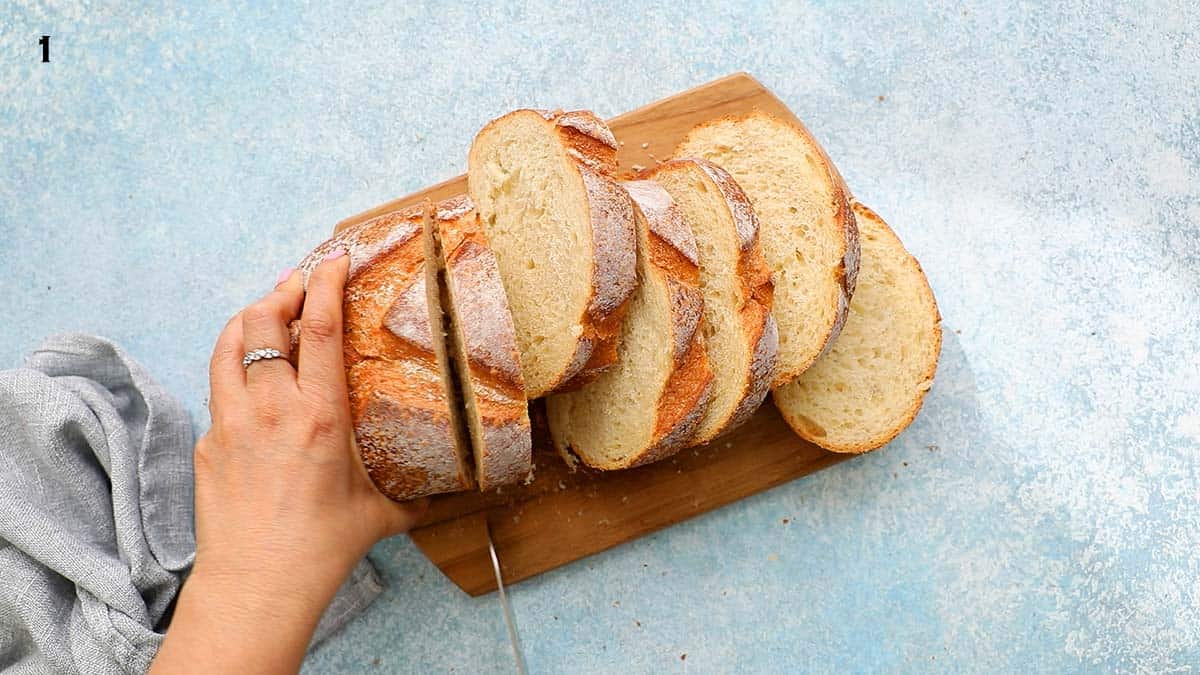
[[260, 355]]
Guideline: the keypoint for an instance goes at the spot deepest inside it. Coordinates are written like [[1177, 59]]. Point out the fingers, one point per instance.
[[321, 366], [265, 326], [226, 377]]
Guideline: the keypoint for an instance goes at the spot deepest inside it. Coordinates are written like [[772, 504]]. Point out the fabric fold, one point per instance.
[[96, 512]]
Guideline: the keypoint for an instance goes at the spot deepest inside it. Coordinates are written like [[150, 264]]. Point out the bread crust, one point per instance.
[[674, 257], [483, 324], [399, 406], [845, 274], [754, 276], [589, 142], [668, 265], [882, 437]]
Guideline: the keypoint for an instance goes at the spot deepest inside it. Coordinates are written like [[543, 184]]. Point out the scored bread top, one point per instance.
[[808, 230], [673, 255], [401, 402], [585, 156], [646, 407], [485, 347], [872, 383], [758, 336], [674, 258]]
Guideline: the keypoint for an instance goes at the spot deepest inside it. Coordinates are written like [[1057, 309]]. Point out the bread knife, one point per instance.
[[508, 614]]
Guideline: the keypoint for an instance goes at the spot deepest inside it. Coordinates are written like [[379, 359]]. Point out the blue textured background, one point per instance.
[[1043, 164]]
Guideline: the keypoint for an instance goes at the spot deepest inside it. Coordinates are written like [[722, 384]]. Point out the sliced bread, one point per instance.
[[808, 229], [485, 347], [740, 335], [563, 235], [871, 384], [402, 400], [649, 404]]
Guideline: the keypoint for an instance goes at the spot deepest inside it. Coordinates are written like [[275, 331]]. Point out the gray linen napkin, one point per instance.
[[96, 528]]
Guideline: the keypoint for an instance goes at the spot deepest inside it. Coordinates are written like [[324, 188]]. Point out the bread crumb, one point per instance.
[[638, 167], [683, 656], [786, 521], [625, 499], [616, 603], [773, 557], [879, 98], [645, 145], [562, 485]]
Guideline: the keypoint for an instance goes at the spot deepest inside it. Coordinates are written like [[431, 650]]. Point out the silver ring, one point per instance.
[[260, 355]]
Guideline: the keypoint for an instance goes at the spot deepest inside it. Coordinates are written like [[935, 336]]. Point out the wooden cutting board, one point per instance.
[[562, 516]]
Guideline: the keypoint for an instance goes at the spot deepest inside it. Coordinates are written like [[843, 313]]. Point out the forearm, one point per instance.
[[232, 623]]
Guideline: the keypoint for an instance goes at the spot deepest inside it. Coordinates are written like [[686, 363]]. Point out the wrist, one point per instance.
[[251, 591]]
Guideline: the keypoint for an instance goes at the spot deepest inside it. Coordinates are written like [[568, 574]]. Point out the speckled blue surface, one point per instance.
[[1043, 164]]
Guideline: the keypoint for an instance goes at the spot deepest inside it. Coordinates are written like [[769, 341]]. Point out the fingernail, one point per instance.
[[335, 254], [284, 275]]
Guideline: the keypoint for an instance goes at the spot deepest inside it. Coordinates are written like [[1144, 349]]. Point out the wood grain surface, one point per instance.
[[562, 516]]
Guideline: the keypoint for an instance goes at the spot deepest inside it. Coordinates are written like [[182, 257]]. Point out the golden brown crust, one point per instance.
[[668, 265], [484, 332], [810, 431], [673, 255], [589, 140], [754, 276], [846, 272], [399, 406], [466, 255], [682, 406]]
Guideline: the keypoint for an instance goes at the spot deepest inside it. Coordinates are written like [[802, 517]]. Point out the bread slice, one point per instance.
[[563, 234], [808, 230], [485, 347], [650, 403], [871, 384], [402, 400], [739, 333]]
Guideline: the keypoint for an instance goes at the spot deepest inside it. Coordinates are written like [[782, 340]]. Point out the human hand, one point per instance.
[[284, 506]]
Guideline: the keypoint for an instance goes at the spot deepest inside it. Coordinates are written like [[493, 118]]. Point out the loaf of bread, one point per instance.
[[809, 235], [650, 403], [484, 347], [740, 334], [871, 384], [402, 401], [563, 235]]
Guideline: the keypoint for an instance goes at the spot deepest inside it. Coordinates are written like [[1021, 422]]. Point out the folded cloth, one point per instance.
[[96, 527]]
